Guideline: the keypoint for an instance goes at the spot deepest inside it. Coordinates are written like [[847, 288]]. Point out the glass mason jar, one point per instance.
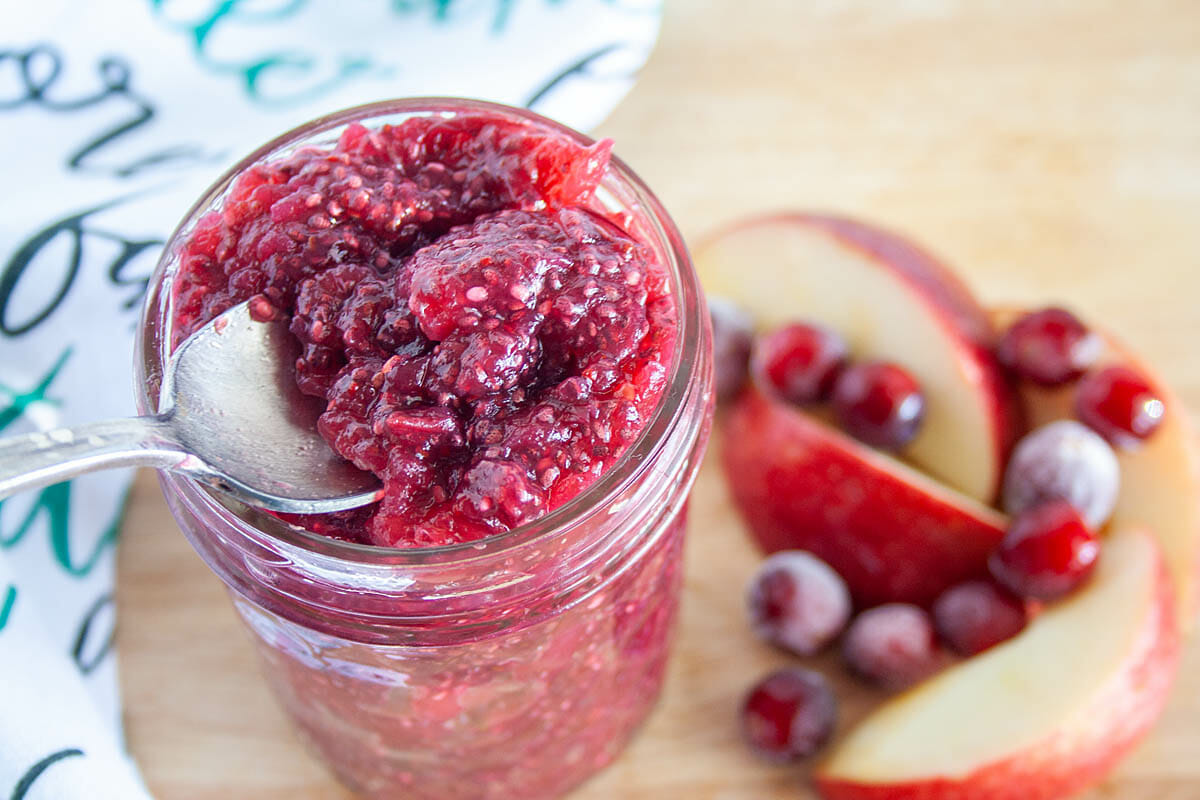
[[516, 666]]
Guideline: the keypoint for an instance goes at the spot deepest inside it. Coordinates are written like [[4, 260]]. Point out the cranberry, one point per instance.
[[798, 602], [733, 336], [976, 615], [789, 714], [1120, 405], [800, 362], [1046, 553], [892, 645], [1064, 460], [1049, 347], [880, 404]]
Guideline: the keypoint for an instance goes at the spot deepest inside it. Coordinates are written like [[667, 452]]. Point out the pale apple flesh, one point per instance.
[[893, 533], [1160, 481], [892, 302], [1038, 717]]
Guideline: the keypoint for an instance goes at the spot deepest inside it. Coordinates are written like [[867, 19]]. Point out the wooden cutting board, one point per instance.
[[1050, 150]]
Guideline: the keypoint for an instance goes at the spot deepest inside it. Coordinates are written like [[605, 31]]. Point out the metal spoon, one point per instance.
[[230, 416]]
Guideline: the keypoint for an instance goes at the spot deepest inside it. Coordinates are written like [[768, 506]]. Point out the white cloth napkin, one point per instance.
[[114, 116]]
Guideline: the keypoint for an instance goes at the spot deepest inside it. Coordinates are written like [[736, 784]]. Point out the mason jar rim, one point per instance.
[[151, 352]]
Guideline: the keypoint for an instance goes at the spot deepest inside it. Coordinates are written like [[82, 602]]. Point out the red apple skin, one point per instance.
[[801, 484], [962, 316], [1081, 752]]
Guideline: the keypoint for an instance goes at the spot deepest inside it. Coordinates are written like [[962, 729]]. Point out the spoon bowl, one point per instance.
[[230, 415]]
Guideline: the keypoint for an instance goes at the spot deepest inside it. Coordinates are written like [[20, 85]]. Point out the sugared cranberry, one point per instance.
[[800, 362], [1120, 405], [1064, 460], [880, 404], [976, 615], [892, 645], [798, 602], [1049, 347], [789, 714], [733, 335], [1046, 552]]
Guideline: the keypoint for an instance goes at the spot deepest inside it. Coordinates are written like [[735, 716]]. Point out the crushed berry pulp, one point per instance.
[[486, 340]]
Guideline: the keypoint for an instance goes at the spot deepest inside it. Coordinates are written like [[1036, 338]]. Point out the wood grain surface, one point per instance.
[[1050, 149]]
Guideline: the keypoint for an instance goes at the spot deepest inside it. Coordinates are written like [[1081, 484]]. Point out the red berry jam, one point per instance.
[[800, 362], [489, 329], [1049, 347], [1046, 553], [893, 646], [484, 340], [1121, 405], [976, 615], [789, 714], [880, 404]]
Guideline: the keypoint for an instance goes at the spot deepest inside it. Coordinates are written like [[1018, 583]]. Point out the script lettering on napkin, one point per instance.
[[38, 69]]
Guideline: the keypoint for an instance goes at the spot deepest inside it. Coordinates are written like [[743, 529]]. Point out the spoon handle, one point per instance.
[[38, 459]]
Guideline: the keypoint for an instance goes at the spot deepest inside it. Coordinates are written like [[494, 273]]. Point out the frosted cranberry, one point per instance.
[[797, 602], [1064, 460], [1049, 347], [893, 645], [1120, 405], [733, 335], [789, 714], [976, 615], [800, 362], [879, 403], [1046, 553]]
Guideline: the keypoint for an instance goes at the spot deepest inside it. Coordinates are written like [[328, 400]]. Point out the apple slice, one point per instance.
[[891, 301], [1160, 481], [893, 533], [1039, 717]]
